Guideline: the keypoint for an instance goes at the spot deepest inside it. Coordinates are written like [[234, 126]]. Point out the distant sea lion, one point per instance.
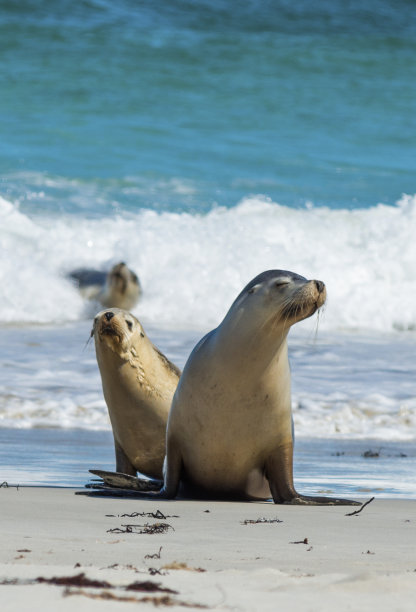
[[230, 429], [118, 288], [138, 383]]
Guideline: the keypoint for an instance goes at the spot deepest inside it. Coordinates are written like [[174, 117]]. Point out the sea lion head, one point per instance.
[[280, 297], [120, 276], [122, 288], [118, 330]]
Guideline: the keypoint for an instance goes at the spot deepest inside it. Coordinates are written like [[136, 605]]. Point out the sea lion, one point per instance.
[[230, 429], [122, 288], [138, 384], [118, 288]]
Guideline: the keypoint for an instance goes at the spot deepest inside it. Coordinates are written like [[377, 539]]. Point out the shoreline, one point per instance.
[[212, 554], [331, 466]]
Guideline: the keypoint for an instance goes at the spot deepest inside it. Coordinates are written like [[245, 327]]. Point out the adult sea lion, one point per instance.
[[138, 384], [230, 429], [118, 288]]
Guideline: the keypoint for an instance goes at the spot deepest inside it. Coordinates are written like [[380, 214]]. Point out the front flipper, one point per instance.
[[123, 463], [308, 500], [279, 473]]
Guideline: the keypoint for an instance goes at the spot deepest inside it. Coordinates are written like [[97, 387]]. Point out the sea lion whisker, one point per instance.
[[286, 310], [87, 343], [319, 314]]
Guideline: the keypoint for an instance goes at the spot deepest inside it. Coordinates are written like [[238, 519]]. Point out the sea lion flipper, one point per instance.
[[123, 463], [172, 469], [126, 481], [279, 472], [307, 500]]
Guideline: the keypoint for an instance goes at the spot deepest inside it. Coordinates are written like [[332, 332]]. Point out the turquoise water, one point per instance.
[[176, 105]]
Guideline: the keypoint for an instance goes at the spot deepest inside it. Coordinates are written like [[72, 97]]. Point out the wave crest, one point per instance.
[[192, 266]]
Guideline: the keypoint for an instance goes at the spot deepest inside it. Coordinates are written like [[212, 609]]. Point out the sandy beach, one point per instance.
[[202, 554]]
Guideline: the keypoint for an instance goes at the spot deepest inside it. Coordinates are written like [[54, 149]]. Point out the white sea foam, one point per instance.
[[192, 266], [373, 417]]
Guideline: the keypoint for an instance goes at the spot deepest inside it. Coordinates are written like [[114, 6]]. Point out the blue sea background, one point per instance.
[[202, 143]]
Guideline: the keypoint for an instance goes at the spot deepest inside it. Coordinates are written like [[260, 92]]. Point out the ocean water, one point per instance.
[[203, 143]]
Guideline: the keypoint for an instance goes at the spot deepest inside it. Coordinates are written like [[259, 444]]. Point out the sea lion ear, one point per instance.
[[139, 327], [133, 321]]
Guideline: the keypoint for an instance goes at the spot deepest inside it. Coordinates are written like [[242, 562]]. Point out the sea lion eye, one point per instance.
[[129, 324], [281, 283]]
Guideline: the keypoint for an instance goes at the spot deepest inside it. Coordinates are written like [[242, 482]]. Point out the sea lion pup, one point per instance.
[[138, 384], [118, 288], [230, 431]]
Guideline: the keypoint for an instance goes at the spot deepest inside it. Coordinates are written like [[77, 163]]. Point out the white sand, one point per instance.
[[363, 562]]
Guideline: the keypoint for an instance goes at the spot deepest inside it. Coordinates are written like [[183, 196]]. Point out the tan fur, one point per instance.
[[138, 384], [230, 425], [122, 288]]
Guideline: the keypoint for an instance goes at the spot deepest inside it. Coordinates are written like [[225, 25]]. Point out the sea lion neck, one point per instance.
[[251, 349]]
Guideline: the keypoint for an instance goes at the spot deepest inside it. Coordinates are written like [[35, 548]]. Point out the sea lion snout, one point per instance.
[[108, 323], [321, 293]]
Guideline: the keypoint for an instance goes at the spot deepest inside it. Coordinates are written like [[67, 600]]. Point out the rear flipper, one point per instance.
[[126, 485], [306, 500], [118, 480]]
